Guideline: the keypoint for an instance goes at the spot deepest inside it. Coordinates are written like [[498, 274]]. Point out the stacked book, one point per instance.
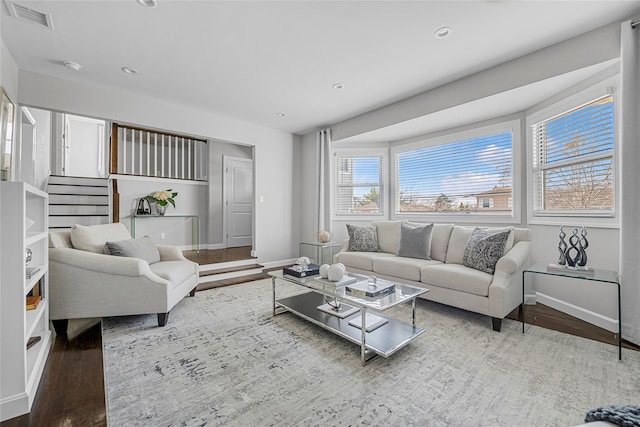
[[364, 289]]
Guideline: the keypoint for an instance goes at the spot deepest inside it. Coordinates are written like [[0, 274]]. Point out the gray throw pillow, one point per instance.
[[415, 242], [484, 249], [142, 248], [362, 239]]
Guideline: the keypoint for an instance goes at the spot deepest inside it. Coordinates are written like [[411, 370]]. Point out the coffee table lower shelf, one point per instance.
[[383, 341]]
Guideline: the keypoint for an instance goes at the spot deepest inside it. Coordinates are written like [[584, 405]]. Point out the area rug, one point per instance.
[[223, 360]]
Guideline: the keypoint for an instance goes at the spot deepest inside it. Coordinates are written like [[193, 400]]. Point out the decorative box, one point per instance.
[[312, 270]]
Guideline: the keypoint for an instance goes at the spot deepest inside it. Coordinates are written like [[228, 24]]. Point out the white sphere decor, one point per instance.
[[324, 271], [335, 273], [341, 265]]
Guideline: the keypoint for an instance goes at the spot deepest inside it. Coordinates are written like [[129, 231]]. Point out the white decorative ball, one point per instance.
[[324, 271], [324, 236], [341, 265], [335, 273]]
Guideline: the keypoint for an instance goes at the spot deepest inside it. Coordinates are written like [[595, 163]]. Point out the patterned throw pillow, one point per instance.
[[362, 239], [484, 249]]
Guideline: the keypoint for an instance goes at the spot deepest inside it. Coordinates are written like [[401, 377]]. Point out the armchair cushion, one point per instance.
[[175, 271], [93, 237], [142, 248]]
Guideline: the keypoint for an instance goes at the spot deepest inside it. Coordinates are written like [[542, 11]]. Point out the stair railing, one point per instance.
[[145, 152]]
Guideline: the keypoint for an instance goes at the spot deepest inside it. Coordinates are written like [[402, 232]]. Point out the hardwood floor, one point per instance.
[[72, 389]]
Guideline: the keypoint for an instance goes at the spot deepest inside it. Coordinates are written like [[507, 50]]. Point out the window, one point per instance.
[[573, 161], [462, 174], [359, 184]]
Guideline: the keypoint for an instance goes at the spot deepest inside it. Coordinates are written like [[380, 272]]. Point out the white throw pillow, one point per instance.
[[388, 235], [92, 238]]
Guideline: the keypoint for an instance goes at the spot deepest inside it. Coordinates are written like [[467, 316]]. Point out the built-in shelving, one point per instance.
[[23, 224]]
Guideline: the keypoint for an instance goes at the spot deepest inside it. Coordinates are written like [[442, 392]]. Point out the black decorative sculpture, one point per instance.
[[562, 248], [573, 254]]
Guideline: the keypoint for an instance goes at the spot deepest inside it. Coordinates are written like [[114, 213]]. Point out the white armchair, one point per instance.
[[84, 283]]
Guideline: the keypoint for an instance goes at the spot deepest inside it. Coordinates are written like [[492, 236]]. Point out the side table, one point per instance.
[[195, 231], [599, 275], [320, 253]]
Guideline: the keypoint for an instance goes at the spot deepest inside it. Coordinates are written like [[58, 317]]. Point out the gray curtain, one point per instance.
[[630, 177], [323, 180]]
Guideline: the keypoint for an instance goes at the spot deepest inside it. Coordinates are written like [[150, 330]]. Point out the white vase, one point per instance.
[[161, 209]]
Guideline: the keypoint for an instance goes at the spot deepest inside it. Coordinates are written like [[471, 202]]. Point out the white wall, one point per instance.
[[42, 146], [191, 200], [272, 149]]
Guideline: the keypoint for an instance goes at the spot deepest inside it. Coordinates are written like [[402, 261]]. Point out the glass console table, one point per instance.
[[195, 232], [320, 253], [599, 275]]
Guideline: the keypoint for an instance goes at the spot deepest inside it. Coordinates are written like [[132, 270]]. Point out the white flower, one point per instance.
[[162, 195]]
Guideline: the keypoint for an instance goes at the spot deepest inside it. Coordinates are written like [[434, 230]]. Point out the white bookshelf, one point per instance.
[[21, 369]]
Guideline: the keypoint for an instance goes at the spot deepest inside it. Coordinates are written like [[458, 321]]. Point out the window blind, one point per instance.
[[573, 163], [360, 189], [472, 176]]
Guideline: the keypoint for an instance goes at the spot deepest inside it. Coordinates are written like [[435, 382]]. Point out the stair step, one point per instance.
[[231, 281], [230, 275], [78, 209], [249, 262], [77, 189], [230, 269], [66, 199], [74, 180], [64, 221]]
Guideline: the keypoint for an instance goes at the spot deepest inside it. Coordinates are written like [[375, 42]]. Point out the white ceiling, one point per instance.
[[252, 60]]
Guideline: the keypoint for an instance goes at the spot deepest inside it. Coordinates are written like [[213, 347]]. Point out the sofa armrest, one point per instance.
[[170, 253], [101, 263], [344, 248], [505, 291], [515, 259]]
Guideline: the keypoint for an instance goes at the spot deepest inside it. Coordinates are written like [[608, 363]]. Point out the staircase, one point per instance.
[[76, 200], [222, 267]]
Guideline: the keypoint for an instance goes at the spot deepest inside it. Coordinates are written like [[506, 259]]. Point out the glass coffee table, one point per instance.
[[386, 336]]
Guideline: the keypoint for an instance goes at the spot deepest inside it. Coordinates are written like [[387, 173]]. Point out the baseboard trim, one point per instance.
[[579, 312]]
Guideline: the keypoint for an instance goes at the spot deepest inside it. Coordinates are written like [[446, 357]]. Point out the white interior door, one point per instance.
[[84, 148], [238, 200]]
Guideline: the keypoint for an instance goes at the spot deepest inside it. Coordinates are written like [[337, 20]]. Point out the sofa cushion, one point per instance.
[[439, 239], [388, 235], [460, 237], [401, 267], [93, 237], [143, 248], [361, 260], [415, 242], [362, 239], [484, 249], [174, 271], [456, 277]]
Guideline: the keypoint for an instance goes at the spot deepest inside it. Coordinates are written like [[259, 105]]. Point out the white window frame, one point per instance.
[[360, 152], [513, 126], [609, 86]]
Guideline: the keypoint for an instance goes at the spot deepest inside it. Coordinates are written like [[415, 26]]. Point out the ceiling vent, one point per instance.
[[29, 14]]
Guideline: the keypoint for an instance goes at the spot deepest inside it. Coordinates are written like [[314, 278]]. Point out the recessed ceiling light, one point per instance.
[[442, 32], [338, 86], [129, 70], [72, 65], [281, 114], [148, 3]]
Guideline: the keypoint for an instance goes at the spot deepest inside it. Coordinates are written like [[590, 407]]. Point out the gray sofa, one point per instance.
[[449, 281], [84, 282]]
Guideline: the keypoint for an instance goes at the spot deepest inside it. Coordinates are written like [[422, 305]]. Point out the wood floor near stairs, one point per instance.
[[71, 391]]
